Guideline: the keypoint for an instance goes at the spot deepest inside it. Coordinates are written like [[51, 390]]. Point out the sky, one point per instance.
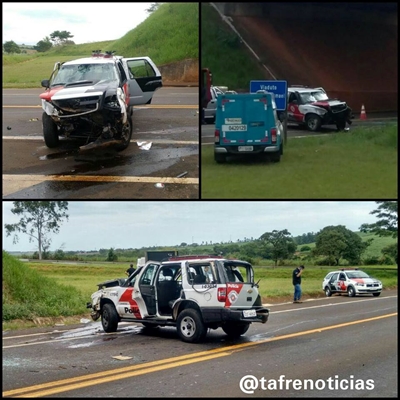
[[28, 23], [94, 225]]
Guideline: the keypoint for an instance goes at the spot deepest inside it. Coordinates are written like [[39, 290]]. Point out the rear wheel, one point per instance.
[[220, 158], [234, 330], [313, 122], [191, 328], [109, 318], [328, 292], [50, 132]]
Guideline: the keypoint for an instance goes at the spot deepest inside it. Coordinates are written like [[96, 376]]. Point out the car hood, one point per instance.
[[65, 92], [328, 103], [365, 280], [112, 283]]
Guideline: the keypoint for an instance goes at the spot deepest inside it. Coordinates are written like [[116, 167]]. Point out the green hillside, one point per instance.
[[169, 34], [229, 60]]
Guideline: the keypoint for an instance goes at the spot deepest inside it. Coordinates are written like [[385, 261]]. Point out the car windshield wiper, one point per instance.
[[57, 84], [79, 83]]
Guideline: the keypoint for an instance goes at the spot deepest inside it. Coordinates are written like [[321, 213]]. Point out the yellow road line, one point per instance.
[[97, 178], [158, 365]]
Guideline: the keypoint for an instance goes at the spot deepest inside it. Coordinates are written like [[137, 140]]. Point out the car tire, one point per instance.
[[191, 328], [328, 292], [126, 134], [313, 122], [351, 291], [376, 294], [109, 318], [276, 157], [235, 330], [50, 132], [220, 158]]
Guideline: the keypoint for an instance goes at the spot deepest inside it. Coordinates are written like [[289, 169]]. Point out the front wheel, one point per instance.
[[313, 122], [50, 131], [235, 330], [109, 318], [126, 134], [351, 291], [191, 328]]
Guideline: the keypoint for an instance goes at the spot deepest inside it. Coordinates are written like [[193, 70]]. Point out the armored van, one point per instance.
[[247, 124]]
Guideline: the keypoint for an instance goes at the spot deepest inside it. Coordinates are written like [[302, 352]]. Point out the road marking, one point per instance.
[[156, 141], [14, 183], [64, 385], [194, 106]]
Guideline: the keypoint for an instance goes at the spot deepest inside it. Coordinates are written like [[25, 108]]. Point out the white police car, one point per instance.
[[352, 282]]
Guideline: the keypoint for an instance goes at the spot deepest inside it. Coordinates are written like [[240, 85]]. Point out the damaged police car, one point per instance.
[[92, 98]]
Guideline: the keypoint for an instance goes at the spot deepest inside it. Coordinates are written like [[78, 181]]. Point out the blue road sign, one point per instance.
[[279, 88]]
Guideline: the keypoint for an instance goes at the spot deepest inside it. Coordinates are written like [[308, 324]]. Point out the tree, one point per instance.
[[111, 256], [387, 224], [283, 245], [38, 219], [43, 45], [60, 37], [390, 251], [338, 242], [11, 47]]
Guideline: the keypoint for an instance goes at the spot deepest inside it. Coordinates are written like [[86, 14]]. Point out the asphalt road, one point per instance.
[[167, 168], [327, 347]]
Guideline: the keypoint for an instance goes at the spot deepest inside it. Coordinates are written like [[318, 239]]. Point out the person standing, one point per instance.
[[130, 270], [296, 278]]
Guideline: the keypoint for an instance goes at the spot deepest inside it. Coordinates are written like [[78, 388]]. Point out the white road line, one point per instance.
[[157, 141]]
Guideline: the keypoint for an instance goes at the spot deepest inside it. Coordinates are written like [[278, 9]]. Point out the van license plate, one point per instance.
[[249, 313], [245, 148]]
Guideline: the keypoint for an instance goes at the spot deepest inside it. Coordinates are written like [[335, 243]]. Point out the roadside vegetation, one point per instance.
[[168, 35], [235, 64], [359, 164]]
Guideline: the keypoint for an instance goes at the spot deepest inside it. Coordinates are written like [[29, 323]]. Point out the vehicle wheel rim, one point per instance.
[[327, 291], [125, 132], [188, 327], [312, 123]]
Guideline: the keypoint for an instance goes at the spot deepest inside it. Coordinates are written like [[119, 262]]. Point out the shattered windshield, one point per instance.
[[311, 97], [84, 72]]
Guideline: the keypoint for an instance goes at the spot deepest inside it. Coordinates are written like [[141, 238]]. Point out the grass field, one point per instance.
[[359, 164], [169, 34]]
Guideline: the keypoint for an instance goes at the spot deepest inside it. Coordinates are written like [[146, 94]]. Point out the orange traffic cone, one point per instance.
[[363, 114]]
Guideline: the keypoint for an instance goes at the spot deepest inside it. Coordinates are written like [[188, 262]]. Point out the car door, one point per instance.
[[144, 79], [333, 282], [146, 289], [342, 284]]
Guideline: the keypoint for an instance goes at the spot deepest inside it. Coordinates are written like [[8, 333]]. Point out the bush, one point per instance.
[[373, 260]]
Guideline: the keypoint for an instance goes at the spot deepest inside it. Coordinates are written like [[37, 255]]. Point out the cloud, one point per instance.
[[28, 23]]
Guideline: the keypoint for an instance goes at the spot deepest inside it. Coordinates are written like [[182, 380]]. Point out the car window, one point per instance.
[[147, 277], [140, 69], [334, 277]]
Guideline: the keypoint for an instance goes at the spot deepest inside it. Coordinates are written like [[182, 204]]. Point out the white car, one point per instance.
[[192, 293], [211, 109], [351, 281]]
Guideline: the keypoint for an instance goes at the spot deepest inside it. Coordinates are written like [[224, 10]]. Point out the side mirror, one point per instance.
[[45, 83]]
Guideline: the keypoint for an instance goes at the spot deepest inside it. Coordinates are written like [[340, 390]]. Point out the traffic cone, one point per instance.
[[363, 114]]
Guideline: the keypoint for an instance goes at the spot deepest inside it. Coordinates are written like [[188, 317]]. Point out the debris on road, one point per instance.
[[182, 174]]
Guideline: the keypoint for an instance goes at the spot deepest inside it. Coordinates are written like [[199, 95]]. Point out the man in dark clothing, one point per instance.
[[130, 270], [296, 279]]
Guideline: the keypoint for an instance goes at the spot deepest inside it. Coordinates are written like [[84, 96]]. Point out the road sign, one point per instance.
[[279, 88]]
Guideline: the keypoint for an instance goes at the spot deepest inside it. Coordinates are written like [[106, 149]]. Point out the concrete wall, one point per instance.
[[182, 72], [355, 61]]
